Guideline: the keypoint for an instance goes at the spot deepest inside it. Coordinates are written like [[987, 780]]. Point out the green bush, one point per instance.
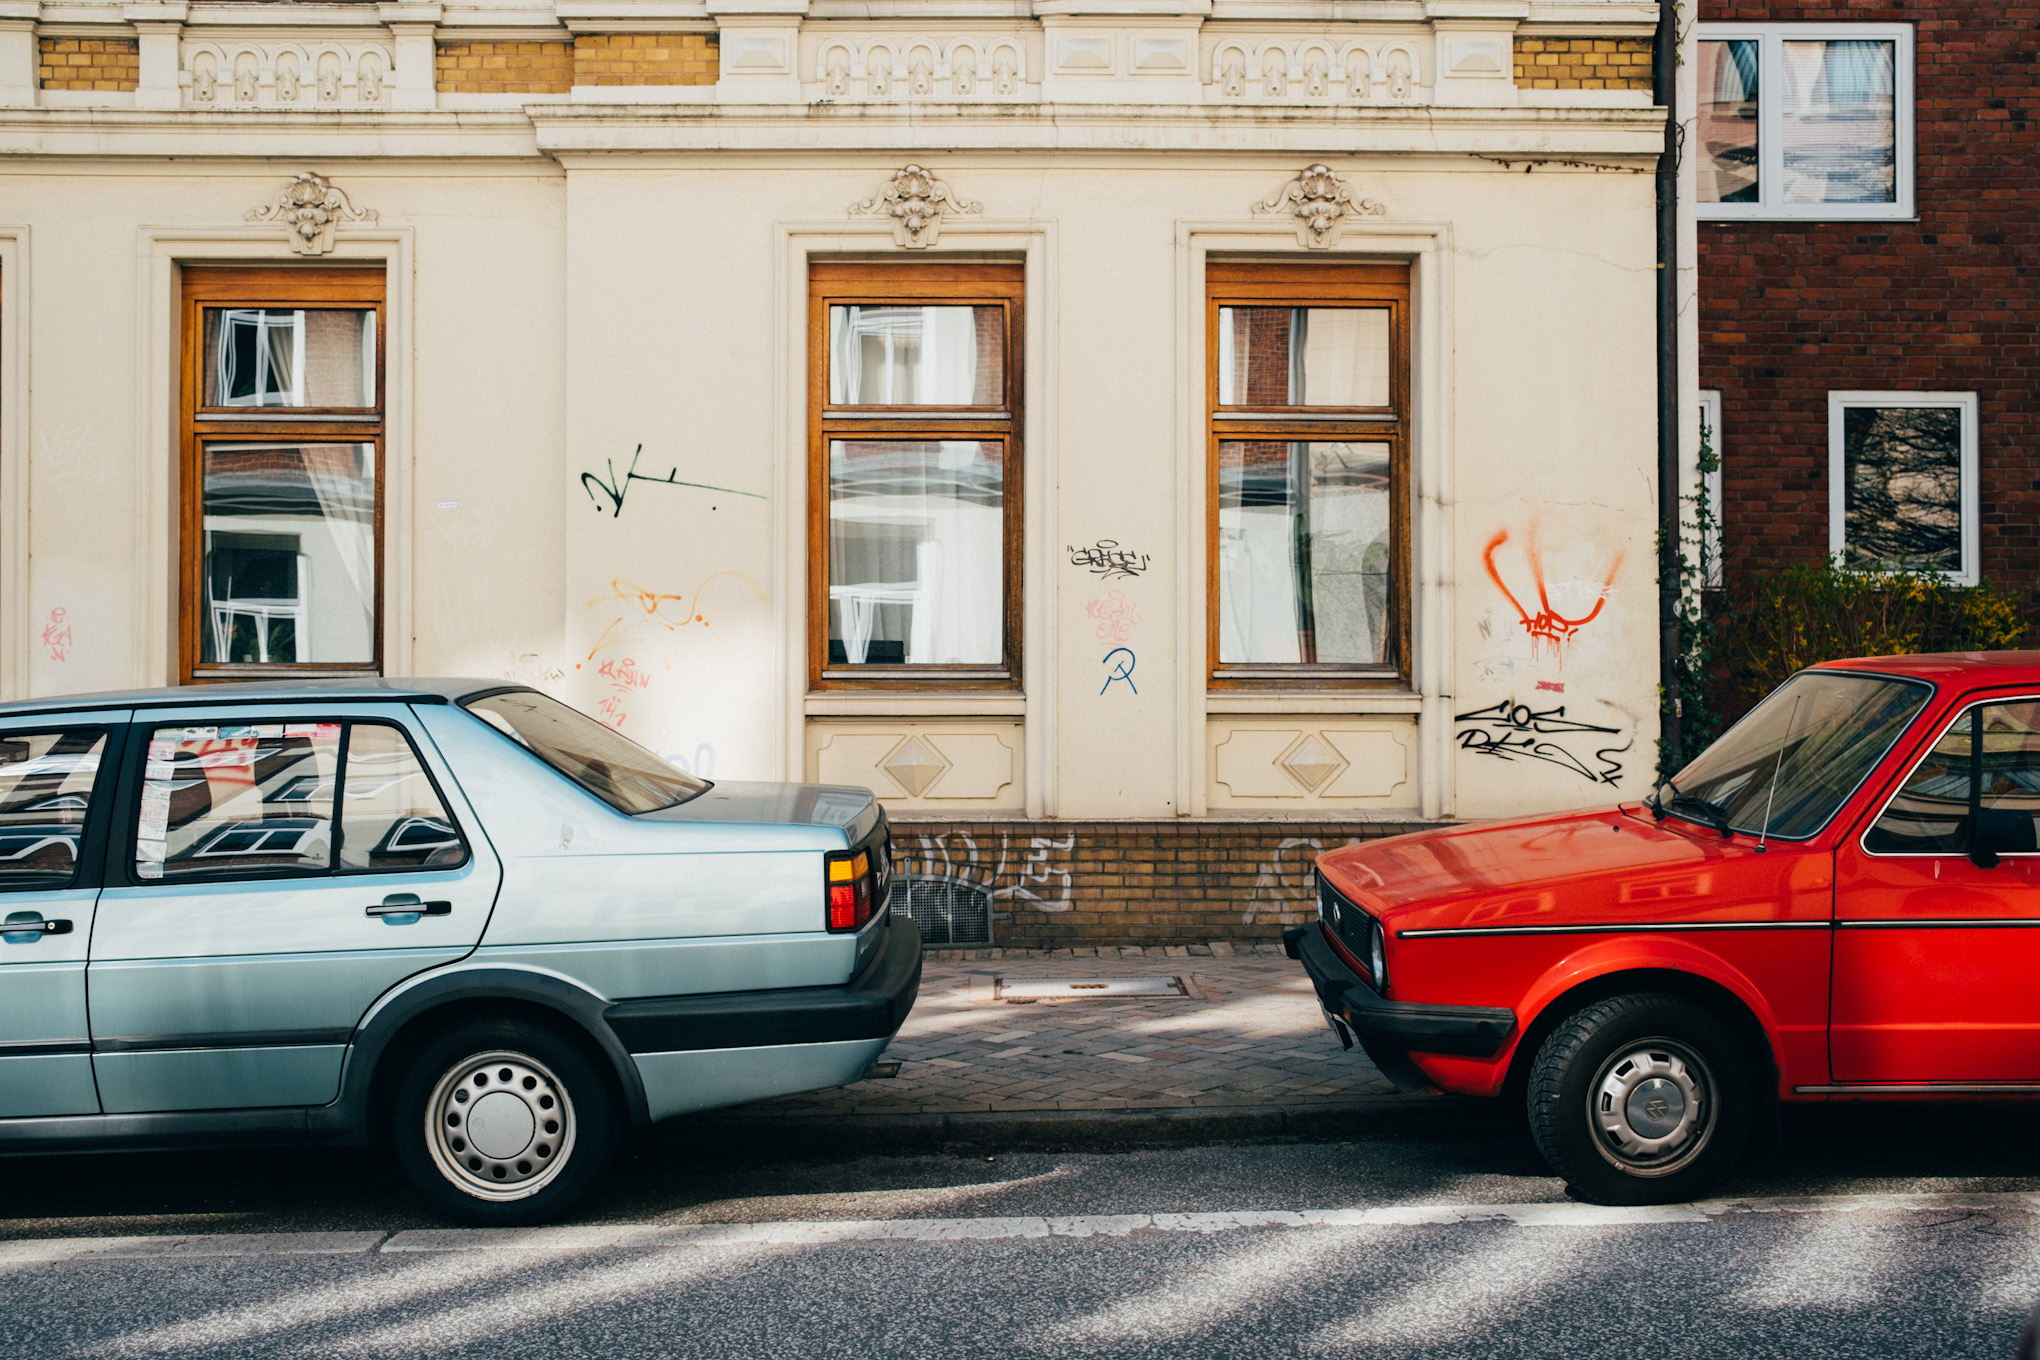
[[1783, 620]]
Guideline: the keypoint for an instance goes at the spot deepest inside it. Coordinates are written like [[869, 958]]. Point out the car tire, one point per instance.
[[1641, 1099], [502, 1123]]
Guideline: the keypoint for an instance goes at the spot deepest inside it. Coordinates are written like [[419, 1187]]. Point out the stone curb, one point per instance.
[[1062, 1130]]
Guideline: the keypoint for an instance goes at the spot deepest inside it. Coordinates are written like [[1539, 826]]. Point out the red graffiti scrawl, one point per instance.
[[1548, 629]]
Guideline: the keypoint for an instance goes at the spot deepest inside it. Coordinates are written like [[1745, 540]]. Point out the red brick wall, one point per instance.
[[1060, 884], [1790, 311]]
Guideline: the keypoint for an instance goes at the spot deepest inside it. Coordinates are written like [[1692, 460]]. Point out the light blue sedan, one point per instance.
[[454, 914]]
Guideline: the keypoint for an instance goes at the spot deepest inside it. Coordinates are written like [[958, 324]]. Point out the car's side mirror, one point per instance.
[[2001, 831]]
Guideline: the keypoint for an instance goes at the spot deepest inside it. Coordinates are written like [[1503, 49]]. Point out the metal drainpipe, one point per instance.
[[1664, 77]]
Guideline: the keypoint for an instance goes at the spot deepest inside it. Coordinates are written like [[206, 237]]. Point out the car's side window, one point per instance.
[[237, 800], [45, 791], [1984, 770], [391, 817]]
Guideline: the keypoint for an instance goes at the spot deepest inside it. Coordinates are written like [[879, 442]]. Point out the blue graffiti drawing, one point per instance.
[[1122, 670]]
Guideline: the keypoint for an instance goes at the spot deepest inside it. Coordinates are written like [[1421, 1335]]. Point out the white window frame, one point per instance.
[[1771, 39], [1838, 402], [1710, 484]]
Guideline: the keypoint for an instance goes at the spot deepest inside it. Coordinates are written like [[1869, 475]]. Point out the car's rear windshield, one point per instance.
[[600, 759], [1784, 769]]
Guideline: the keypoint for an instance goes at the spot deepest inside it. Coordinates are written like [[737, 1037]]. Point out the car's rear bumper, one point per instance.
[[1348, 999], [872, 1005]]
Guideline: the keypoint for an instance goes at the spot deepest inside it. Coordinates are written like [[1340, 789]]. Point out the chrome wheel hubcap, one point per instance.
[[1652, 1107], [500, 1125]]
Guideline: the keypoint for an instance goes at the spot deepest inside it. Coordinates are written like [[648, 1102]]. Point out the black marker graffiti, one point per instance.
[[1106, 559], [616, 488], [1509, 730]]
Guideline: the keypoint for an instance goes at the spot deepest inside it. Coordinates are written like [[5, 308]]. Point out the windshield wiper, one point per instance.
[[1702, 811]]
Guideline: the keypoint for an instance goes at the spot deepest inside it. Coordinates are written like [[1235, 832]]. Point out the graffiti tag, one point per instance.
[[1548, 629], [616, 488], [1105, 559], [1512, 731], [56, 634], [1115, 615], [1120, 670]]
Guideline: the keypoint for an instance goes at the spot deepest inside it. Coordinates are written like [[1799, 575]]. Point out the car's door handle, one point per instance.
[[398, 905], [26, 927]]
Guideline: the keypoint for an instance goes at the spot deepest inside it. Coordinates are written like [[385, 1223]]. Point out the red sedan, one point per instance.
[[1839, 900]]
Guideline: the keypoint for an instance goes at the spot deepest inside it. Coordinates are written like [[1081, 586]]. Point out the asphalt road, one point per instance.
[[1913, 1233]]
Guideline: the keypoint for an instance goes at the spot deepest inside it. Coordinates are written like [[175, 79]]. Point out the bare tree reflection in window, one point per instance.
[[1903, 486]]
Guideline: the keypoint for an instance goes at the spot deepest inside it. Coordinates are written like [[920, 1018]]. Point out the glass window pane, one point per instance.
[[1838, 135], [45, 787], [917, 356], [289, 569], [1303, 356], [916, 552], [1303, 545], [273, 357], [1798, 755], [600, 759], [1902, 486], [1930, 814], [1728, 122], [390, 816], [237, 799]]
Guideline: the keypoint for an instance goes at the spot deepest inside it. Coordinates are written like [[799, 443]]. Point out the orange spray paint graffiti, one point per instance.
[[1549, 630], [640, 609]]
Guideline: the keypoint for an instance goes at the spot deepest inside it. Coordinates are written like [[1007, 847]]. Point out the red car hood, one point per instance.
[[1598, 865]]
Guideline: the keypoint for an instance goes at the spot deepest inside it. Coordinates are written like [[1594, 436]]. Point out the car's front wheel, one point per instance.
[[1641, 1099], [500, 1122]]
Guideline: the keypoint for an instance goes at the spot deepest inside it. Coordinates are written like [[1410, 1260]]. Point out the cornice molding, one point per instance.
[[1611, 138]]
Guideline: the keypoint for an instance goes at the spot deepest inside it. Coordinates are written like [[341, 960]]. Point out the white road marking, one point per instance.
[[821, 1232]]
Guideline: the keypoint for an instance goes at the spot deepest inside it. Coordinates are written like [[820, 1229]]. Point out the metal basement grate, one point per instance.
[[948, 910]]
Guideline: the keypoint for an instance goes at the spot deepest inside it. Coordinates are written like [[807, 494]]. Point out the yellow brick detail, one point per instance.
[[1583, 63], [646, 59], [108, 64], [504, 67]]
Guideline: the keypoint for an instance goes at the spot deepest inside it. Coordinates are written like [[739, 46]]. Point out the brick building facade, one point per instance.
[[1800, 303]]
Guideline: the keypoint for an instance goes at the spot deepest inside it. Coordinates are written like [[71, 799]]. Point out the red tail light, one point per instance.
[[851, 877]]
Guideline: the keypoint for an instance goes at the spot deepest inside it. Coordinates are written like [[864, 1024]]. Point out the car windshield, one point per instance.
[[1784, 769], [601, 760]]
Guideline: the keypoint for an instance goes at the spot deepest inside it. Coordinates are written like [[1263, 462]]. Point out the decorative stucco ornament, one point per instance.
[[1320, 202], [310, 208], [916, 202]]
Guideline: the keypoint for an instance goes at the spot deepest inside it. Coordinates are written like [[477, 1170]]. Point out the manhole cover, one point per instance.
[[1085, 989]]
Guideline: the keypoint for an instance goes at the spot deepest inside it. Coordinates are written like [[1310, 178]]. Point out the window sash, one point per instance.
[[271, 289], [1969, 572], [1311, 286], [1771, 40], [833, 284]]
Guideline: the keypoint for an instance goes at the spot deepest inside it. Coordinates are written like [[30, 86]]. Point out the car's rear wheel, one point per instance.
[[502, 1122], [1641, 1099]]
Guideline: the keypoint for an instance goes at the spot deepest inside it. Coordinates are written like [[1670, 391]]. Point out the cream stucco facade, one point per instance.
[[577, 275]]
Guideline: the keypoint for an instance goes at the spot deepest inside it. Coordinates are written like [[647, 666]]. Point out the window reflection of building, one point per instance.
[[1309, 458], [917, 433], [283, 429]]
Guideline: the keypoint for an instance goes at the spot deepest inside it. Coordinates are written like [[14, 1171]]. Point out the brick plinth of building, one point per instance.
[[89, 64], [1583, 63], [1061, 884], [646, 59], [504, 67]]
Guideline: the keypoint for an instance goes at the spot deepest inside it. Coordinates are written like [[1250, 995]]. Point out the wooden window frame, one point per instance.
[[280, 287], [873, 283], [1247, 283]]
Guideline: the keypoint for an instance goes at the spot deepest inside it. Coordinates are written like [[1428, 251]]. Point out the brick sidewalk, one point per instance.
[[1249, 1036]]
